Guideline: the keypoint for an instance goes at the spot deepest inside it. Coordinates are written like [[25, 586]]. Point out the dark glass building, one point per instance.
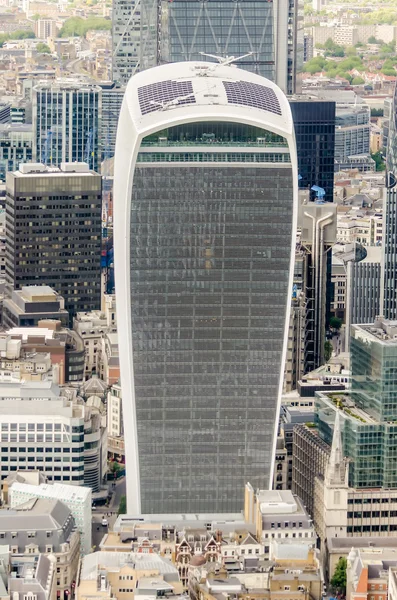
[[53, 232], [270, 31], [314, 122]]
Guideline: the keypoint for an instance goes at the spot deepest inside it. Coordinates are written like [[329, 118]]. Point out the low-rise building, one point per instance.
[[77, 499], [64, 346], [32, 304], [44, 526], [367, 573], [122, 575], [277, 515], [115, 424], [296, 572], [34, 580], [92, 326]]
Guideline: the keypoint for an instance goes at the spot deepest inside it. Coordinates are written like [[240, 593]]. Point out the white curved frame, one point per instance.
[[132, 128]]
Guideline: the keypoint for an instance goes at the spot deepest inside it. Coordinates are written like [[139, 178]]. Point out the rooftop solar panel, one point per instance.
[[153, 96], [252, 94]]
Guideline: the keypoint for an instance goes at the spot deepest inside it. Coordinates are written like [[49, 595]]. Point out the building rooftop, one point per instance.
[[382, 331], [164, 92], [40, 513], [60, 491], [76, 169], [93, 563]]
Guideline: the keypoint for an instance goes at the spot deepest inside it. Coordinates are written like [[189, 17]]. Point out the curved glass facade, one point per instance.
[[210, 248]]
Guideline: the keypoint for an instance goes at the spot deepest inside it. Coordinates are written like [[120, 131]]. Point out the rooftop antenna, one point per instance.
[[226, 60], [164, 105]]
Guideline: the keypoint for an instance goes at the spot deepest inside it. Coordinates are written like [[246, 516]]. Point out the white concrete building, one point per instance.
[[237, 129], [77, 499], [40, 429]]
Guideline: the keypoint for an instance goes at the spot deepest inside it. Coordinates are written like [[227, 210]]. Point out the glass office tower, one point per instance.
[[269, 34], [67, 123], [205, 194]]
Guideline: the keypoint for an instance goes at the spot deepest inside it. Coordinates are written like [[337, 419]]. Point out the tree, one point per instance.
[[338, 580], [76, 26], [357, 81], [372, 40], [335, 323], [123, 506], [376, 112], [22, 34], [43, 48], [379, 161], [115, 467], [327, 350]]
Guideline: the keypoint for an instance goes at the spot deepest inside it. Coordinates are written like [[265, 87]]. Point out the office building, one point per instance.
[[352, 137], [40, 429], [207, 252], [314, 123], [57, 243], [44, 526], [77, 499], [16, 142], [112, 99], [267, 35], [389, 263], [364, 285], [310, 456], [32, 304], [67, 123], [126, 36]]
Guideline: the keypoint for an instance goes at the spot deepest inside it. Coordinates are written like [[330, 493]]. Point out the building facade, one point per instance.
[[268, 36], [214, 328], [59, 242], [16, 143], [67, 123], [126, 37], [42, 526], [77, 499], [314, 123], [112, 99], [32, 304]]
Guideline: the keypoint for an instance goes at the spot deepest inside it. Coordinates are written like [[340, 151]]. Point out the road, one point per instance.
[[118, 492], [109, 512]]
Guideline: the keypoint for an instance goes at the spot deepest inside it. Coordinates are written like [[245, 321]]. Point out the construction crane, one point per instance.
[[46, 150], [226, 60]]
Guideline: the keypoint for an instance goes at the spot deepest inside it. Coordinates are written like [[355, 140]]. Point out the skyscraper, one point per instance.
[[205, 218], [67, 123], [126, 25], [389, 263], [270, 34], [53, 232]]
